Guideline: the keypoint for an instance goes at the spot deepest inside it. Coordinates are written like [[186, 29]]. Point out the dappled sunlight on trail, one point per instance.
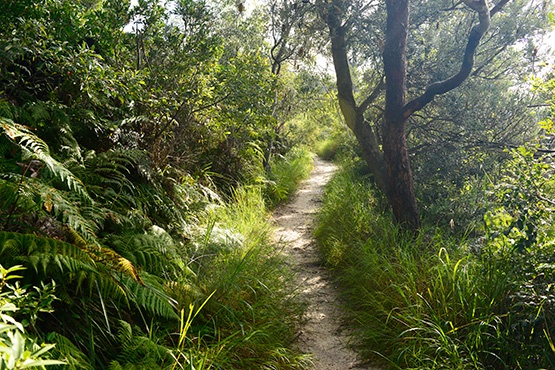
[[323, 335]]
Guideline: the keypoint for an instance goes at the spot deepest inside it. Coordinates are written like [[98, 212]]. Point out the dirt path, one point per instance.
[[322, 336]]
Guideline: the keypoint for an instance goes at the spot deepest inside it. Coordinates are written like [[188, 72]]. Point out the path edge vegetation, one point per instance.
[[231, 303], [449, 297], [141, 147], [235, 307]]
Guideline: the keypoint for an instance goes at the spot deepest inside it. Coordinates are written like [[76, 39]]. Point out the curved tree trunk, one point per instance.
[[353, 114], [371, 153]]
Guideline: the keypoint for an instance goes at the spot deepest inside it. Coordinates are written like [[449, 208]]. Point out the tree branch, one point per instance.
[[370, 99], [498, 7], [441, 87], [499, 51]]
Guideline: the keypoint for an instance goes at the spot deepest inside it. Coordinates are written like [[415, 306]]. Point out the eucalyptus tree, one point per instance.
[[388, 28]]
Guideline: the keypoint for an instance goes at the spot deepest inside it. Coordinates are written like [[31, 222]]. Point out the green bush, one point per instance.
[[328, 148], [338, 145], [19, 310]]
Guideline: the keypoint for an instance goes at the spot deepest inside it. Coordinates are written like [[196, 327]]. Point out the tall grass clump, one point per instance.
[[286, 172], [328, 148], [249, 322], [337, 145], [426, 301]]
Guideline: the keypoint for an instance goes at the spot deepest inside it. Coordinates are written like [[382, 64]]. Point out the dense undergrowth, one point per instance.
[[119, 296], [440, 300]]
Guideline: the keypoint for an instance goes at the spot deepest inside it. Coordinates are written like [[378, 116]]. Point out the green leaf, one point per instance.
[[34, 363]]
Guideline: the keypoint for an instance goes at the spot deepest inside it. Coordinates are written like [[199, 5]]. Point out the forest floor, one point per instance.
[[323, 335]]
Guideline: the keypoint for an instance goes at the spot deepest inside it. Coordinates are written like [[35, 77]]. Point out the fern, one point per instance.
[[34, 147], [35, 196], [16, 245], [138, 350], [38, 111], [67, 351], [54, 124], [61, 261], [154, 252], [68, 207], [151, 296], [78, 263], [6, 110]]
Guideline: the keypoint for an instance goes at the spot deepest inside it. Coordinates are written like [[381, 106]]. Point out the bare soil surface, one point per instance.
[[323, 335]]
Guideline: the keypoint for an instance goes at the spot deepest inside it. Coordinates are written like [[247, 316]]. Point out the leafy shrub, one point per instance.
[[19, 309]]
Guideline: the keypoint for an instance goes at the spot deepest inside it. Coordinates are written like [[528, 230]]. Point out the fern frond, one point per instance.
[[67, 206], [150, 296], [9, 247], [161, 209], [107, 257], [138, 158], [110, 288], [67, 351], [6, 110], [126, 267], [38, 111], [155, 252], [81, 263], [138, 349], [61, 261], [128, 132], [107, 176], [67, 266], [28, 244], [34, 147]]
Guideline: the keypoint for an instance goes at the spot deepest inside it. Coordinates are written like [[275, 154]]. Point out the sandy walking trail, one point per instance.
[[322, 336]]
